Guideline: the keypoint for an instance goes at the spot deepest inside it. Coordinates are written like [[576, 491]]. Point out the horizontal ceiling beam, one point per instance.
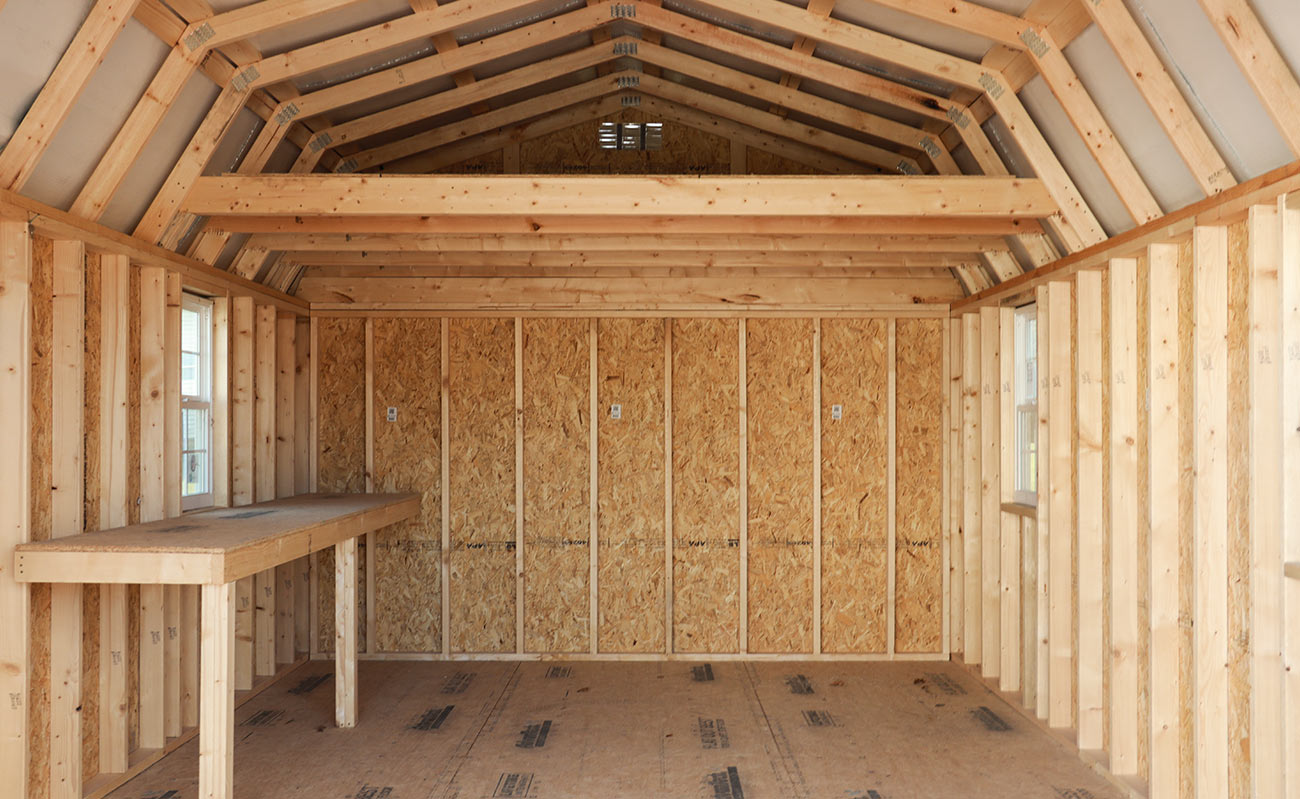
[[525, 294], [580, 224], [700, 258], [617, 242], [427, 195], [663, 272]]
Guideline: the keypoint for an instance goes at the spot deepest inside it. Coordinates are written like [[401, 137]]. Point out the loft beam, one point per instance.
[[858, 196]]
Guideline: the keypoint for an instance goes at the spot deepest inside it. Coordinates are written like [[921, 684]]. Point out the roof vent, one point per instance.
[[631, 136]]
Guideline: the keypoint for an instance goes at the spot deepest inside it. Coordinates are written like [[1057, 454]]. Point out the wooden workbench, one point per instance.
[[213, 549]]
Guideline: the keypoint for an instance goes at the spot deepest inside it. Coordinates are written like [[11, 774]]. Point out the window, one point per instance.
[[1026, 353], [196, 402]]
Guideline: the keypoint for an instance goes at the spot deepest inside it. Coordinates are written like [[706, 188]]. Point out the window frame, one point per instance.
[[202, 401], [1025, 414]]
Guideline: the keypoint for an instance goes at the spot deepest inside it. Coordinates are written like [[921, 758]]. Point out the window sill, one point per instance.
[[1020, 509]]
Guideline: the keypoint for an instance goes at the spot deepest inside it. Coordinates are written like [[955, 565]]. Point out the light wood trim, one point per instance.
[[972, 459], [1042, 518], [67, 353], [15, 493], [1061, 545], [721, 195], [1210, 635], [1124, 517], [153, 410], [1089, 387], [990, 555], [1289, 293], [1009, 677], [113, 504], [217, 697], [1165, 777], [1267, 591], [956, 497], [345, 633]]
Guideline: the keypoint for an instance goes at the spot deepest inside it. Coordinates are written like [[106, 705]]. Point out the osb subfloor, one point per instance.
[[612, 730]]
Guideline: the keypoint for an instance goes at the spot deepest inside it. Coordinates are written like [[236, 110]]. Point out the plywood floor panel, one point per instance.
[[587, 729]]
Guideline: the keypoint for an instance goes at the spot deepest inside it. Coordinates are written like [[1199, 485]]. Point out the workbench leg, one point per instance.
[[217, 693], [345, 633]]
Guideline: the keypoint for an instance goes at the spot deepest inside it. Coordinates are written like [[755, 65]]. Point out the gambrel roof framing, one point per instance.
[[933, 165]]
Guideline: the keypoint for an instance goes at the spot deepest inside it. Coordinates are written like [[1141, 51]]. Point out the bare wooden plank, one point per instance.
[[1289, 354], [1042, 519], [1090, 381], [217, 702], [714, 195], [991, 490], [956, 469], [243, 447], [1266, 498], [1166, 716], [264, 480], [174, 633], [1009, 526], [286, 329], [153, 411], [221, 545], [1061, 546], [972, 458], [345, 633], [1124, 510], [1210, 257], [67, 348]]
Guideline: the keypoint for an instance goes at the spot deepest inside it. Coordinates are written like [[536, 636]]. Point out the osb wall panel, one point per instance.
[[557, 557], [575, 150], [407, 457], [341, 448], [855, 485], [779, 375], [90, 516], [630, 485], [918, 604], [482, 492], [706, 481], [761, 162], [42, 332], [485, 164], [1239, 542]]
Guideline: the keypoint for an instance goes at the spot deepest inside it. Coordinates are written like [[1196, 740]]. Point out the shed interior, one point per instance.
[[683, 398]]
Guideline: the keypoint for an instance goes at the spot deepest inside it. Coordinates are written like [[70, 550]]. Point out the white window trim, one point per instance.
[[201, 402]]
